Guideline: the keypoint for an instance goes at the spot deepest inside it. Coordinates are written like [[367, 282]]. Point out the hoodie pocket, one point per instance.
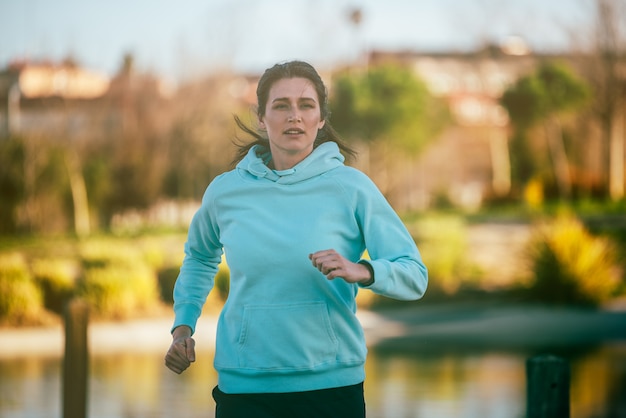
[[286, 337]]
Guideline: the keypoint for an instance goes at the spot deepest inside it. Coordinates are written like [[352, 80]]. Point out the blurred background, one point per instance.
[[495, 129]]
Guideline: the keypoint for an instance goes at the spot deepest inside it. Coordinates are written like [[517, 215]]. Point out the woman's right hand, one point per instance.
[[182, 351]]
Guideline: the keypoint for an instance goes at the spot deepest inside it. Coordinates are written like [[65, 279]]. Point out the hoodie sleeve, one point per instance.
[[399, 271], [203, 254]]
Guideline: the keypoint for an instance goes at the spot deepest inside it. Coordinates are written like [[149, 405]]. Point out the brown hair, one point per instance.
[[291, 69]]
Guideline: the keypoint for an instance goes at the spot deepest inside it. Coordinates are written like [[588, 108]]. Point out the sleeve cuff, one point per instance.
[[371, 270]]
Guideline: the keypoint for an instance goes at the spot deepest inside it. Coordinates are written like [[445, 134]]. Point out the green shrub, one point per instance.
[[572, 266], [151, 252], [101, 253], [117, 283], [20, 298], [222, 281], [167, 279], [57, 280], [442, 241], [118, 291], [217, 297]]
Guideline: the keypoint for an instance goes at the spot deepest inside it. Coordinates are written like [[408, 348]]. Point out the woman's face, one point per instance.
[[292, 119]]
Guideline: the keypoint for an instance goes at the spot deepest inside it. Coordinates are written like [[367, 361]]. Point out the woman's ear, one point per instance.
[[261, 124]]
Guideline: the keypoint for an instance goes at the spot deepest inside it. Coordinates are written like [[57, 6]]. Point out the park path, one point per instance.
[[494, 326], [447, 325]]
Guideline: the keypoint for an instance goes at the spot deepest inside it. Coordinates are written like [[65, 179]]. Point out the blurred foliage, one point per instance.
[[11, 183], [442, 240], [552, 88], [571, 266], [543, 98], [215, 300], [128, 276], [120, 277], [221, 286], [387, 103], [167, 279], [119, 291], [138, 149], [134, 149], [21, 301], [534, 194], [117, 280], [56, 277], [222, 281], [35, 188]]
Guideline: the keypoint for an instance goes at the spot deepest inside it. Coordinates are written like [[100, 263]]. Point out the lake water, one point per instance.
[[399, 385]]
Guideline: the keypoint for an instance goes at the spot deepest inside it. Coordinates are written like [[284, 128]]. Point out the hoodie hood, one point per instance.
[[323, 159]]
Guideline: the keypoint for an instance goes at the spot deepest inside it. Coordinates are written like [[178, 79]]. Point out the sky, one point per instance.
[[185, 38]]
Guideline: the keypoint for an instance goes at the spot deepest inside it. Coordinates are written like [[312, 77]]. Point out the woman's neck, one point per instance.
[[282, 161]]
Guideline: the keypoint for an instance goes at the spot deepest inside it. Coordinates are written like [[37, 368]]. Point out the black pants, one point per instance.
[[342, 402]]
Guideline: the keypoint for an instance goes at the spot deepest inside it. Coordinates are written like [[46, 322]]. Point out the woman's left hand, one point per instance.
[[333, 265]]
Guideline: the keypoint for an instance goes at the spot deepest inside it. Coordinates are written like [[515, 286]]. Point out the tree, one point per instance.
[[520, 102], [387, 103], [82, 225], [12, 151], [391, 112], [603, 72], [542, 98]]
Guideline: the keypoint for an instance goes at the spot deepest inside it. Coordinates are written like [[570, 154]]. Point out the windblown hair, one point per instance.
[[291, 69]]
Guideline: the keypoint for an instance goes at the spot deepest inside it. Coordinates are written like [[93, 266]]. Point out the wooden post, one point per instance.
[[547, 387], [76, 360]]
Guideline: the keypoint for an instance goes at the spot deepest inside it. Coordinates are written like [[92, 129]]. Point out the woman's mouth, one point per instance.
[[293, 131]]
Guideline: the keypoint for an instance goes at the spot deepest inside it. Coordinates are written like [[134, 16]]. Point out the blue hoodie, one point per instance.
[[284, 326]]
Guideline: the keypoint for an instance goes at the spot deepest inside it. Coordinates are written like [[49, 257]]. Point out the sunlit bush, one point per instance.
[[221, 287], [366, 299], [57, 279], [151, 253], [167, 279], [20, 298], [572, 266], [222, 281], [534, 193], [217, 297], [117, 282], [101, 253], [442, 241], [119, 291]]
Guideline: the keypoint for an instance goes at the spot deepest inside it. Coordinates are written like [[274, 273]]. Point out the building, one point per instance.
[[46, 97]]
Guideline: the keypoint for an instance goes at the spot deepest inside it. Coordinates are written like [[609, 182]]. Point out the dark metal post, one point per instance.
[[547, 387], [76, 360]]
